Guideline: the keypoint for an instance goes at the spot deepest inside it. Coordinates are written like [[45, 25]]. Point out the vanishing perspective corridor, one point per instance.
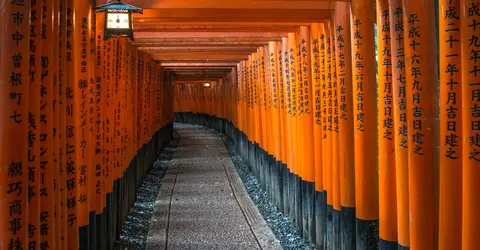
[[202, 203], [304, 124]]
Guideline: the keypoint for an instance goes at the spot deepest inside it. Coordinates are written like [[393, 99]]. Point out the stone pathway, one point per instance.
[[202, 203]]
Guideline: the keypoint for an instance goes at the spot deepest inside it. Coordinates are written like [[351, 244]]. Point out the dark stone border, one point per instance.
[[135, 229]]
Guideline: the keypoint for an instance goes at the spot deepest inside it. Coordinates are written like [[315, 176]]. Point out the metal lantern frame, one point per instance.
[[118, 7]]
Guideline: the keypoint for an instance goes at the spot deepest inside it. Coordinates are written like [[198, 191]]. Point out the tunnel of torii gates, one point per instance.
[[363, 144]]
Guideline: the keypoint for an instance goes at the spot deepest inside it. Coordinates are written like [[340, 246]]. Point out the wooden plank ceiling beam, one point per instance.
[[189, 44], [200, 57], [216, 71], [198, 78], [230, 4], [189, 75], [234, 15], [192, 74], [208, 38], [152, 26], [198, 64], [198, 61], [208, 35], [203, 81], [208, 54], [244, 50]]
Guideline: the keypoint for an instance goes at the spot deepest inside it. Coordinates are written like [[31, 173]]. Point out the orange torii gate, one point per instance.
[[387, 190], [330, 136], [67, 94]]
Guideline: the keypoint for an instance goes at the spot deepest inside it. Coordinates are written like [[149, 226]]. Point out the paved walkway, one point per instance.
[[202, 203]]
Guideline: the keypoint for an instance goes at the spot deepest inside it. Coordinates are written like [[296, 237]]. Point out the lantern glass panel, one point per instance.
[[118, 21]]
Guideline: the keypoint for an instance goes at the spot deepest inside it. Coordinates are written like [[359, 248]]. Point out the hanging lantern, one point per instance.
[[207, 85], [118, 19]]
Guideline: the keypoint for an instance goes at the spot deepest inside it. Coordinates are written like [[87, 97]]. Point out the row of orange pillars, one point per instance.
[[350, 139], [81, 120]]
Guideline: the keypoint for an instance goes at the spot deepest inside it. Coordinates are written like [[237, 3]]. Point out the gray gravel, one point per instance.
[[135, 230], [280, 224]]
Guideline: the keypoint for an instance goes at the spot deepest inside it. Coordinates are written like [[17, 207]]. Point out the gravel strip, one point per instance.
[[135, 230], [280, 224]]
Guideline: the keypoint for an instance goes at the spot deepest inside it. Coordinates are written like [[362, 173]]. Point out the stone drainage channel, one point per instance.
[[135, 230]]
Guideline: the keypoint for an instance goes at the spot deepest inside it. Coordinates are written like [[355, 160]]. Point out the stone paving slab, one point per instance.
[[202, 203]]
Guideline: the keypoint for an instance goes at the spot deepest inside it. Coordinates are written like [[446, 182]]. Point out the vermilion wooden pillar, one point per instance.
[[61, 179], [386, 113], [57, 144], [288, 104], [275, 101], [255, 125], [365, 115], [295, 76], [306, 86], [298, 105], [100, 98], [328, 134], [84, 145], [14, 124], [265, 76], [281, 102], [323, 107], [262, 98], [289, 124], [400, 120], [289, 161], [249, 110], [244, 98], [93, 133], [335, 168], [422, 91], [108, 120], [256, 99], [46, 128], [308, 184], [345, 122], [316, 30], [246, 101], [34, 125], [241, 107], [320, 173], [470, 27], [100, 64], [450, 206], [71, 111], [293, 101], [327, 120], [249, 105]]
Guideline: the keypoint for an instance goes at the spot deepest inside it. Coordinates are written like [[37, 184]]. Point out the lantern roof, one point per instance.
[[118, 6]]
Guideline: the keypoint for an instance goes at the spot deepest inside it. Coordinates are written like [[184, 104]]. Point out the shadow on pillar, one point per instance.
[[104, 228]]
